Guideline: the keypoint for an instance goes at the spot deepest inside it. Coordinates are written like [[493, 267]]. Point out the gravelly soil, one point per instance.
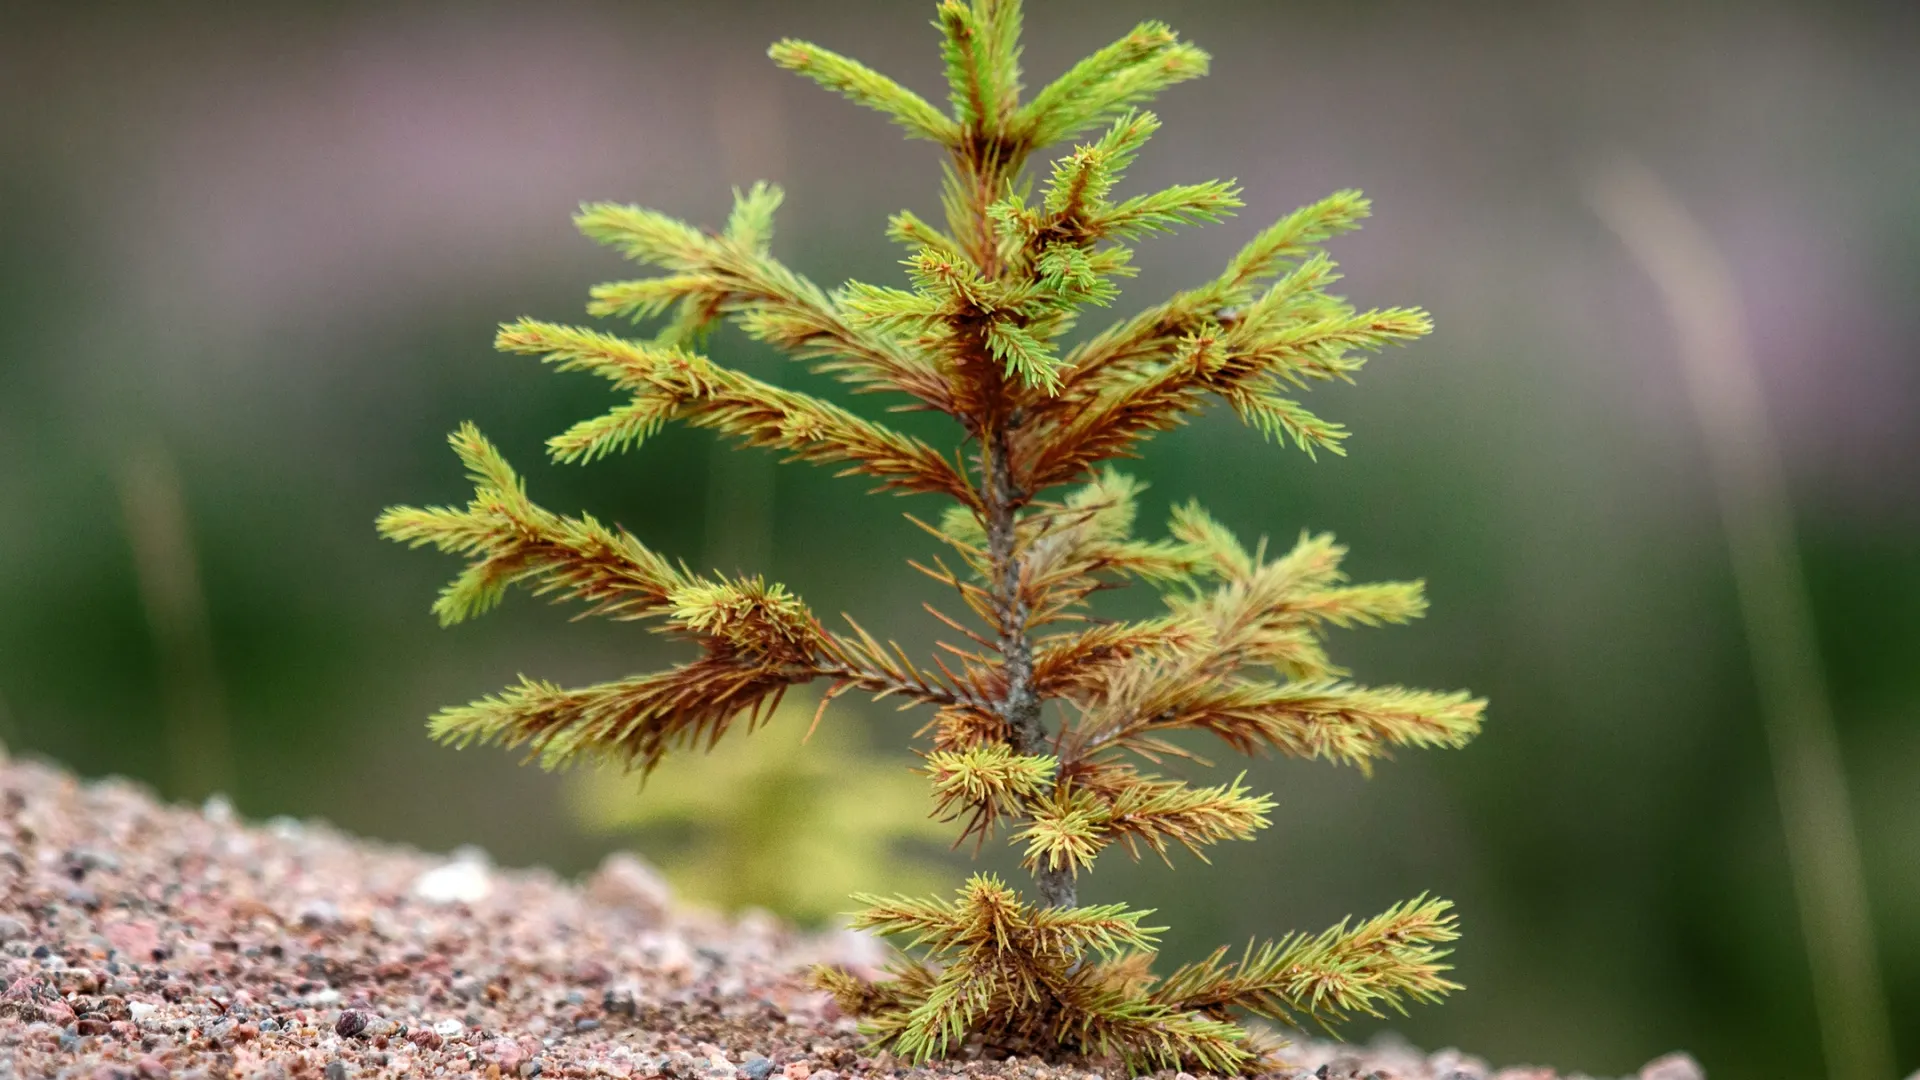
[[139, 940]]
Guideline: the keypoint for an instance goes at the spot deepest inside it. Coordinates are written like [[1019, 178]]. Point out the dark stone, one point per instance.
[[337, 1070], [351, 1023], [757, 1067]]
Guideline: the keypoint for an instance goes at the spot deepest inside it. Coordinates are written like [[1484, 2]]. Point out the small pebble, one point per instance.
[[625, 881], [12, 929], [315, 914], [351, 1023], [591, 972], [465, 880], [337, 1070], [1673, 1067], [757, 1067], [86, 860]]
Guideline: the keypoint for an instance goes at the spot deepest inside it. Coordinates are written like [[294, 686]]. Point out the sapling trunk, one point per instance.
[[1020, 707]]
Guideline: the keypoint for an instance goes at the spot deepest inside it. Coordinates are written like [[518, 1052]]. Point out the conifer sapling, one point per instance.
[[1036, 524]]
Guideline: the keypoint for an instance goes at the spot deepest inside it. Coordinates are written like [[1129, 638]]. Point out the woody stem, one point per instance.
[[1020, 707]]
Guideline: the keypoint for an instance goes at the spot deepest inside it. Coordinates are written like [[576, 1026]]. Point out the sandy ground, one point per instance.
[[140, 940]]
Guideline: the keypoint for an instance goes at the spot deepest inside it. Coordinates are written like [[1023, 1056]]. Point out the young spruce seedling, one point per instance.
[[1036, 525]]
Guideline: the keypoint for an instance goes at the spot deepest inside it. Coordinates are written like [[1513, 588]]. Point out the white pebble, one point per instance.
[[1673, 1067], [141, 1010], [464, 880]]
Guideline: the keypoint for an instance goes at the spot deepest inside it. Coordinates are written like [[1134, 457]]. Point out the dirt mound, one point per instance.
[[143, 940]]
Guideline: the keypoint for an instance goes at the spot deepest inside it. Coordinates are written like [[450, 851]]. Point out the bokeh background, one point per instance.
[[251, 258]]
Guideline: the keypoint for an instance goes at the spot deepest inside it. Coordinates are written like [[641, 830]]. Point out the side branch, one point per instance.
[[768, 300], [884, 671], [1353, 725], [633, 722], [1153, 335], [670, 383], [511, 539], [1380, 964]]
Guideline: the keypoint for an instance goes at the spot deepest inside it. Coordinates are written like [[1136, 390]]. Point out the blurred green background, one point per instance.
[[252, 257]]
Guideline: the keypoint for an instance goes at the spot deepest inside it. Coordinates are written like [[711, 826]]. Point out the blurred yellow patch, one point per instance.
[[775, 822]]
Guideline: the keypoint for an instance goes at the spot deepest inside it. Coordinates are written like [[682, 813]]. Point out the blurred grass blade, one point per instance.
[[1809, 775], [9, 731], [199, 754]]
